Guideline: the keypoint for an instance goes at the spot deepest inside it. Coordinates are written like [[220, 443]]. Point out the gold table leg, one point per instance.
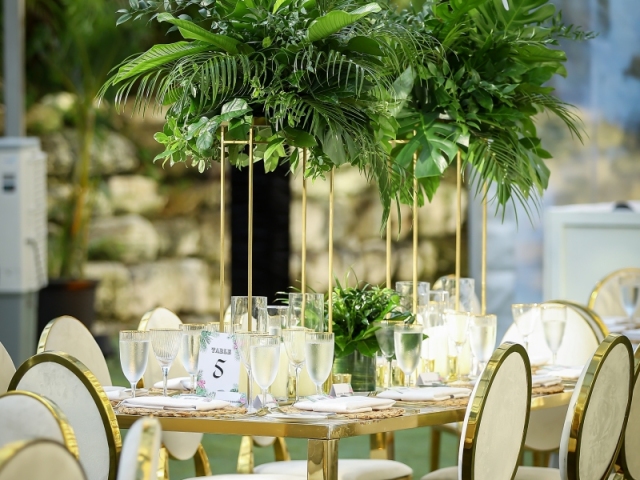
[[382, 446], [322, 460]]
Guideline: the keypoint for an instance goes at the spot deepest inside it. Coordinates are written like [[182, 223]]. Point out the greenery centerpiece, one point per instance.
[[357, 313]]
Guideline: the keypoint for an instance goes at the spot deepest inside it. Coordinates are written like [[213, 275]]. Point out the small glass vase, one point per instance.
[[361, 368]]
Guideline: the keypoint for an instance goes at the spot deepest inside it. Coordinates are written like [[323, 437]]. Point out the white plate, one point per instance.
[[298, 417]]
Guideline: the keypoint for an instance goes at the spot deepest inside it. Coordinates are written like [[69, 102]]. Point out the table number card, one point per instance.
[[218, 365]]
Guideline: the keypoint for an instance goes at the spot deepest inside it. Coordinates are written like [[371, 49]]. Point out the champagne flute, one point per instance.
[[134, 354], [264, 359], [482, 337], [384, 335], [243, 340], [525, 316], [554, 320], [319, 348], [408, 346], [630, 294], [294, 343], [191, 349], [165, 344], [458, 328]]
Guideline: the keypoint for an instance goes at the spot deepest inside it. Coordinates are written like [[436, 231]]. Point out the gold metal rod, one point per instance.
[[483, 268], [458, 226], [244, 142], [303, 286], [250, 236], [388, 253], [331, 209], [222, 227], [415, 235]]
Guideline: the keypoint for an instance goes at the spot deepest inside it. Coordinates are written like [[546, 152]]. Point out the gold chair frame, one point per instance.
[[593, 296], [10, 450]]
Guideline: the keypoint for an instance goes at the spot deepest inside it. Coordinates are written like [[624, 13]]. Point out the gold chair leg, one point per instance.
[[245, 456], [280, 450], [163, 464], [201, 462], [382, 446], [436, 438]]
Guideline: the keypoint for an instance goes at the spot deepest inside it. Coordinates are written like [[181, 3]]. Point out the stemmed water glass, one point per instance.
[[384, 335], [526, 316], [407, 341], [243, 340], [482, 337], [264, 359], [134, 355], [554, 319], [191, 349], [319, 349], [294, 343], [165, 344], [630, 294], [457, 329]]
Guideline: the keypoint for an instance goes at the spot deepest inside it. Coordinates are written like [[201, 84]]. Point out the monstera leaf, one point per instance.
[[336, 20], [191, 31], [519, 14]]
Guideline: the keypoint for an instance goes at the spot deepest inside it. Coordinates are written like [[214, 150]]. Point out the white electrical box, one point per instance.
[[23, 215]]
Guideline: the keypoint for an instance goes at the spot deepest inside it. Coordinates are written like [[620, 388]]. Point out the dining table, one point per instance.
[[323, 436]]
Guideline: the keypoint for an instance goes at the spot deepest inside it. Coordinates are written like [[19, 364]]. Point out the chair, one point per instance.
[[141, 451], [597, 416], [68, 383], [179, 445], [605, 298], [7, 369], [29, 416], [38, 460], [628, 460], [68, 334], [496, 420]]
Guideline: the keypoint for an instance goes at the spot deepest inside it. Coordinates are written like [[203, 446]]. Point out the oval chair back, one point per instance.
[[67, 382], [68, 334], [497, 417], [7, 369], [598, 410], [605, 298], [141, 451], [629, 459], [37, 460], [28, 416]]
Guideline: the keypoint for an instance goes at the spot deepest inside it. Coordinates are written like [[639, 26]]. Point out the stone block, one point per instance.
[[132, 237], [135, 194], [178, 237]]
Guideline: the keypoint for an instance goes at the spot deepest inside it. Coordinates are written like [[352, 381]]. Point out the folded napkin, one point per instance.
[[433, 394], [178, 383], [346, 405], [172, 403], [545, 380], [117, 393]]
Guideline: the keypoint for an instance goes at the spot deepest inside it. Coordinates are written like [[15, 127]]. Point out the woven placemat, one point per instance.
[[453, 402], [547, 390], [373, 415], [221, 412]]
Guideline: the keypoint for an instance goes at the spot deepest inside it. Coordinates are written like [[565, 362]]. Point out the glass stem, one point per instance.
[[319, 390], [458, 366], [193, 384], [298, 368], [264, 397], [525, 342], [165, 377], [133, 389], [390, 374], [407, 379], [249, 391], [554, 358]]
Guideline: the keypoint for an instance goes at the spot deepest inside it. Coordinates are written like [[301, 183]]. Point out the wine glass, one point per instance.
[[526, 316], [278, 316], [294, 343], [240, 314], [134, 354], [457, 329], [191, 349], [384, 335], [243, 340], [554, 320], [408, 346], [630, 294], [482, 337], [264, 359], [165, 344], [313, 306], [319, 348]]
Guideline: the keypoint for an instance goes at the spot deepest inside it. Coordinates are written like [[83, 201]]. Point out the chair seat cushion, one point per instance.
[[351, 469], [449, 473], [537, 473], [249, 476]]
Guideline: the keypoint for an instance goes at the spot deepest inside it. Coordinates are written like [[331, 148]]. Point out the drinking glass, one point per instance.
[[457, 329], [630, 294], [405, 290], [468, 300], [319, 348], [277, 318], [240, 314], [165, 344], [243, 340], [294, 343], [526, 316], [313, 311], [384, 335], [433, 321], [191, 349], [134, 354], [482, 337], [264, 359], [408, 345], [554, 319]]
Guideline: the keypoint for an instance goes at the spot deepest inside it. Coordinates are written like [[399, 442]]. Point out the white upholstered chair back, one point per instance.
[[629, 458], [7, 369], [141, 451], [38, 460], [597, 414], [605, 298], [68, 334], [497, 417], [68, 383], [29, 416]]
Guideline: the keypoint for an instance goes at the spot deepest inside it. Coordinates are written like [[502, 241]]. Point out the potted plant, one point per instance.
[[357, 313]]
